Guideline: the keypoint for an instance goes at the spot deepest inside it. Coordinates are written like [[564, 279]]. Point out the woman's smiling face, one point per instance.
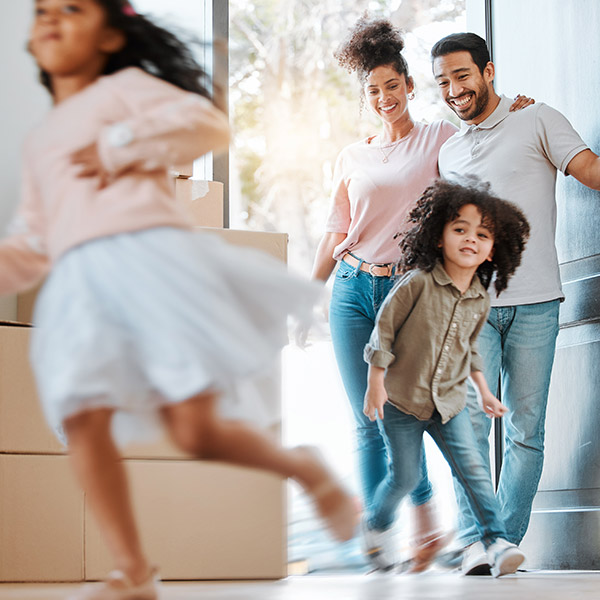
[[386, 92]]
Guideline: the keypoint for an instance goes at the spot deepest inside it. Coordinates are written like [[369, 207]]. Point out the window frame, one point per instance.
[[218, 21]]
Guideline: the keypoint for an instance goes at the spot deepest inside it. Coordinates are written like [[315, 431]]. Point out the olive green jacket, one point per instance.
[[425, 336]]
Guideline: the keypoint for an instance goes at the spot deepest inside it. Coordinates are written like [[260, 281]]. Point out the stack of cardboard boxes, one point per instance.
[[202, 199], [199, 520]]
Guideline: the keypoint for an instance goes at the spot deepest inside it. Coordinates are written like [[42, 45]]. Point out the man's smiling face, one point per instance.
[[463, 87]]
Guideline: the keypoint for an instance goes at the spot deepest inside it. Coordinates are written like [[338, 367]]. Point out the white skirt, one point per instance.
[[138, 320]]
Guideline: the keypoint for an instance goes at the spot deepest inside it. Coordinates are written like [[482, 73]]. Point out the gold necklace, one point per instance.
[[386, 157]]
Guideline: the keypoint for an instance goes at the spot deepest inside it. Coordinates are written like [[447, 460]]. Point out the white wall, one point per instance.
[[22, 103], [476, 17]]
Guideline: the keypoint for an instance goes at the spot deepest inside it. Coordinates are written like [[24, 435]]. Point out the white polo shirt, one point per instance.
[[519, 153]]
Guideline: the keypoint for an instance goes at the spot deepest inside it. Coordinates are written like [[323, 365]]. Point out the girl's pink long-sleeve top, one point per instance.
[[142, 126]]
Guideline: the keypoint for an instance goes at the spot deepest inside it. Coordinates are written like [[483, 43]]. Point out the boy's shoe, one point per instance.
[[504, 557], [378, 546], [119, 587], [475, 560]]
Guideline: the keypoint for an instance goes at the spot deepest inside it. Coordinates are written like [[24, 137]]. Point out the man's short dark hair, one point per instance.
[[463, 42]]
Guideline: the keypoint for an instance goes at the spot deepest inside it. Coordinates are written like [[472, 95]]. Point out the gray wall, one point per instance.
[[550, 49]]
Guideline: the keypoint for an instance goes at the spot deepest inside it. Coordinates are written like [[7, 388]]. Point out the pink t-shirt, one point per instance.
[[371, 199], [141, 125]]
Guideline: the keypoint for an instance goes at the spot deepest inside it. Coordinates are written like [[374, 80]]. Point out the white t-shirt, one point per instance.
[[519, 153], [371, 199]]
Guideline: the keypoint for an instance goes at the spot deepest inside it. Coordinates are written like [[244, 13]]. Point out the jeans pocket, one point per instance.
[[345, 271]]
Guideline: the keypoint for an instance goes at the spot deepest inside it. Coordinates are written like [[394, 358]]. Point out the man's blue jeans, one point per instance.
[[456, 440], [517, 345], [355, 300]]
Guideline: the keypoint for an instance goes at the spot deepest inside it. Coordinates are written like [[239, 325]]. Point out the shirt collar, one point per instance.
[[500, 113], [440, 276]]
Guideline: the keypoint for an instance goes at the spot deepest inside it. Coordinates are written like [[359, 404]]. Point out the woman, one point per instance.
[[376, 181]]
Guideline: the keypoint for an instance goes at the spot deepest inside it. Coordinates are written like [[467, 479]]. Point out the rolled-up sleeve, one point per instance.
[[390, 318]]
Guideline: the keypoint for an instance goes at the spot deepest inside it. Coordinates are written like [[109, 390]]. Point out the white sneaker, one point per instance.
[[378, 547], [475, 560], [504, 557]]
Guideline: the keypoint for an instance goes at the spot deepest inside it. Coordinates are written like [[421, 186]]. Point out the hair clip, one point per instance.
[[129, 10]]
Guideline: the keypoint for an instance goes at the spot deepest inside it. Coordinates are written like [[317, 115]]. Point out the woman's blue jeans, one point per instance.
[[355, 300], [517, 346], [456, 441]]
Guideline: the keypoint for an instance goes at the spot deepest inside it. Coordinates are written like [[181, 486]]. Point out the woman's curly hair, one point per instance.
[[149, 47], [439, 204], [372, 43]]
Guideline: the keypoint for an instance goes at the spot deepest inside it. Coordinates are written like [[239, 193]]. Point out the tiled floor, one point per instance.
[[524, 586]]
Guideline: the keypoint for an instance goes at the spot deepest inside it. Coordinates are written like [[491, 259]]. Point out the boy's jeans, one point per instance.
[[456, 440], [517, 345], [355, 300]]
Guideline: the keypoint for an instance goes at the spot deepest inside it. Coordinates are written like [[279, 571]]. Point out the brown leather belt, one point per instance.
[[377, 270]]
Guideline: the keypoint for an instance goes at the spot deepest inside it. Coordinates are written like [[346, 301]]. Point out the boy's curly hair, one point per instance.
[[439, 204], [372, 43]]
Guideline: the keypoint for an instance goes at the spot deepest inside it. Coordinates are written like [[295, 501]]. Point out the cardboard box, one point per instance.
[[26, 304], [202, 520], [275, 244], [23, 427], [202, 199], [41, 520], [199, 520], [183, 170], [8, 308]]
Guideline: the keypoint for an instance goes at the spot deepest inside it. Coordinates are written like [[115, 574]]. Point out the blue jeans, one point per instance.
[[456, 440], [517, 346], [355, 300]]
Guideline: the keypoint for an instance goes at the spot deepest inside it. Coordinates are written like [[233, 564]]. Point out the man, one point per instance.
[[519, 153]]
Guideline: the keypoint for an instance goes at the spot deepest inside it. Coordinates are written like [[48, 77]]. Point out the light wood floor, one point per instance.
[[524, 586]]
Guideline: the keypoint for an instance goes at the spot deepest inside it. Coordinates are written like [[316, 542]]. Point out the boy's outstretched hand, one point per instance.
[[491, 406], [375, 398]]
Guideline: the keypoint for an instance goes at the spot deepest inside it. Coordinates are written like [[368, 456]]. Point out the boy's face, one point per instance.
[[463, 87], [466, 241]]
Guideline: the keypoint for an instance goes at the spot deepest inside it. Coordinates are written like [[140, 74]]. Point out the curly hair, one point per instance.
[[372, 43], [149, 47], [439, 204]]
